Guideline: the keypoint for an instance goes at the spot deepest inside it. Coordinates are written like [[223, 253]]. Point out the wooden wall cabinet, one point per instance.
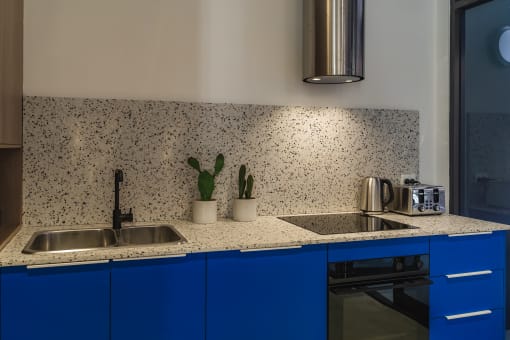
[[11, 113], [11, 72]]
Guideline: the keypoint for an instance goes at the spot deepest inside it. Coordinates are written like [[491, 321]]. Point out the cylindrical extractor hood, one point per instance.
[[333, 41]]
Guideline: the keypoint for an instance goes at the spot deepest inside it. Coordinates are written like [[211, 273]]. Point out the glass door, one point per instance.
[[480, 112], [485, 112]]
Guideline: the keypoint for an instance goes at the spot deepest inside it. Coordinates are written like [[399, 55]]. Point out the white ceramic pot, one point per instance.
[[245, 210], [204, 212]]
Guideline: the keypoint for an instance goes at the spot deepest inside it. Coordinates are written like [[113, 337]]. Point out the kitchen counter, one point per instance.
[[226, 234]]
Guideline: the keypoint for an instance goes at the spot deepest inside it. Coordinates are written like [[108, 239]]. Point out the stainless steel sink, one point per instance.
[[87, 239], [149, 235], [70, 240]]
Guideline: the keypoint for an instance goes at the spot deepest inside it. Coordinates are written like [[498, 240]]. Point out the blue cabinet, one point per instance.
[[159, 299], [376, 249], [58, 303], [467, 253], [484, 326], [270, 295], [467, 298], [274, 294]]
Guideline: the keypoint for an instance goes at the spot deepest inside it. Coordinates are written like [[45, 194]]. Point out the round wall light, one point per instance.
[[504, 45]]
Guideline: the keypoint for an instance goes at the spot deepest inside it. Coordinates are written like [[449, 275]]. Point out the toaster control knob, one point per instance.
[[437, 208], [421, 208]]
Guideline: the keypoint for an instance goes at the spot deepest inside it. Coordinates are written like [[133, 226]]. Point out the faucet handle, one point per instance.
[[128, 217]]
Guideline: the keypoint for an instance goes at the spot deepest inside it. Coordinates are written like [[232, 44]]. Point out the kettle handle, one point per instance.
[[390, 189]]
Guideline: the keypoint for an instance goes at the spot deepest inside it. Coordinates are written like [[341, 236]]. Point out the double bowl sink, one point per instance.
[[100, 238]]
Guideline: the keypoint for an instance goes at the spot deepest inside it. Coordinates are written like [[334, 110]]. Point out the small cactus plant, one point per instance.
[[205, 178], [245, 185], [249, 187]]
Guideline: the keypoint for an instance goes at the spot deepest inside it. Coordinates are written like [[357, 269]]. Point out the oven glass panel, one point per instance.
[[379, 313]]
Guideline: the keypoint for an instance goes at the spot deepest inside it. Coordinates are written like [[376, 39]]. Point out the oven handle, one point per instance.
[[374, 286]]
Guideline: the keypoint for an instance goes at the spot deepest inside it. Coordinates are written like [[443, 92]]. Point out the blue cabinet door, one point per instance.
[[55, 303], [489, 326], [467, 253], [376, 249], [159, 299], [467, 297], [269, 295]]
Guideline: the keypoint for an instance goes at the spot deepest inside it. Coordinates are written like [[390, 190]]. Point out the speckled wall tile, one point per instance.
[[304, 159]]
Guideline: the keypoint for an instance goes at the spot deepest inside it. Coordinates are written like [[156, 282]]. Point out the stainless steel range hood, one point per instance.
[[333, 41]]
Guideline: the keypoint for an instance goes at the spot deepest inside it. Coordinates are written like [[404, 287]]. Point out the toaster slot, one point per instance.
[[436, 195], [404, 201], [421, 196]]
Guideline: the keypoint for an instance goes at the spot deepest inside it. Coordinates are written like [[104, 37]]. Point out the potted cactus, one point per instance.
[[245, 206], [204, 211]]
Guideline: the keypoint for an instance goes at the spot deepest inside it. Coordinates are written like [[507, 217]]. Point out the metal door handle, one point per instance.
[[471, 234], [150, 258], [251, 250], [479, 273], [468, 315], [66, 264]]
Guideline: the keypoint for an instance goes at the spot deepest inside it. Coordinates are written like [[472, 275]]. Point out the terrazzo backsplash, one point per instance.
[[304, 159]]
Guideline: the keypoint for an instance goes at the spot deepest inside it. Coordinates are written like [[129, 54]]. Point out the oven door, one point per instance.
[[396, 310]]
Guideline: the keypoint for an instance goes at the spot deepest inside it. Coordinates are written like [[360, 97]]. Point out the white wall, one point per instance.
[[241, 51], [434, 146]]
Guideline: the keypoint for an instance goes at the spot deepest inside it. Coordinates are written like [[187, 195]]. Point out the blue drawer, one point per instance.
[[456, 254], [377, 249], [463, 294], [490, 327]]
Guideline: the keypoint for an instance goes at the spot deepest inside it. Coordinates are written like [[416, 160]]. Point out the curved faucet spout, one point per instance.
[[118, 216]]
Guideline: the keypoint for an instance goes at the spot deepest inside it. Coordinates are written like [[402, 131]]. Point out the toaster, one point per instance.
[[419, 199]]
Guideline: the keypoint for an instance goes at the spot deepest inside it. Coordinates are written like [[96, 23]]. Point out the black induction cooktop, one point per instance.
[[327, 224]]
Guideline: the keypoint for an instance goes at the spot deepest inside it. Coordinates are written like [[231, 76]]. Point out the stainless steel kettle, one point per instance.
[[372, 195]]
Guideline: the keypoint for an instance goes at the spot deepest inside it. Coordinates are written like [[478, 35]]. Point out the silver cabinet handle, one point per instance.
[[456, 276], [468, 315], [471, 234], [66, 264], [251, 250], [150, 258]]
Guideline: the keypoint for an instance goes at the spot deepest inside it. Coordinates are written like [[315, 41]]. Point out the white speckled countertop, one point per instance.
[[265, 232]]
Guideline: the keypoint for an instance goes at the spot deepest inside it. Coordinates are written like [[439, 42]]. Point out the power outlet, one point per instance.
[[407, 176]]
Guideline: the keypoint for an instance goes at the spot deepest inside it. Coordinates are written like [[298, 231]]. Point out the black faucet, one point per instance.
[[118, 216]]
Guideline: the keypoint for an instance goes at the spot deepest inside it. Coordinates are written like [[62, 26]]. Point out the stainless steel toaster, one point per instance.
[[419, 199]]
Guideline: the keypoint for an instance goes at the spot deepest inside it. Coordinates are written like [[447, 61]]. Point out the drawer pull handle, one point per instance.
[[149, 258], [456, 276], [67, 264], [471, 234], [252, 250], [468, 315]]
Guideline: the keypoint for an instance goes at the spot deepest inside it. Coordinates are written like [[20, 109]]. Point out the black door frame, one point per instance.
[[457, 11]]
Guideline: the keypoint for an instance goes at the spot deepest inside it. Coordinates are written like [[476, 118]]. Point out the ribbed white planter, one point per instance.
[[245, 210], [204, 212]]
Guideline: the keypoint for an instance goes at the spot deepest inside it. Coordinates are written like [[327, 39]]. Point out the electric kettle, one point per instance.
[[373, 199]]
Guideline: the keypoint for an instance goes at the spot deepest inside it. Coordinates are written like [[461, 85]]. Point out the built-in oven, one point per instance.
[[385, 298]]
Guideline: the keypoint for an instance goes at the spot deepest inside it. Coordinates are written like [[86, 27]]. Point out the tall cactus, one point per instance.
[[249, 187], [245, 185], [205, 178], [242, 180]]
